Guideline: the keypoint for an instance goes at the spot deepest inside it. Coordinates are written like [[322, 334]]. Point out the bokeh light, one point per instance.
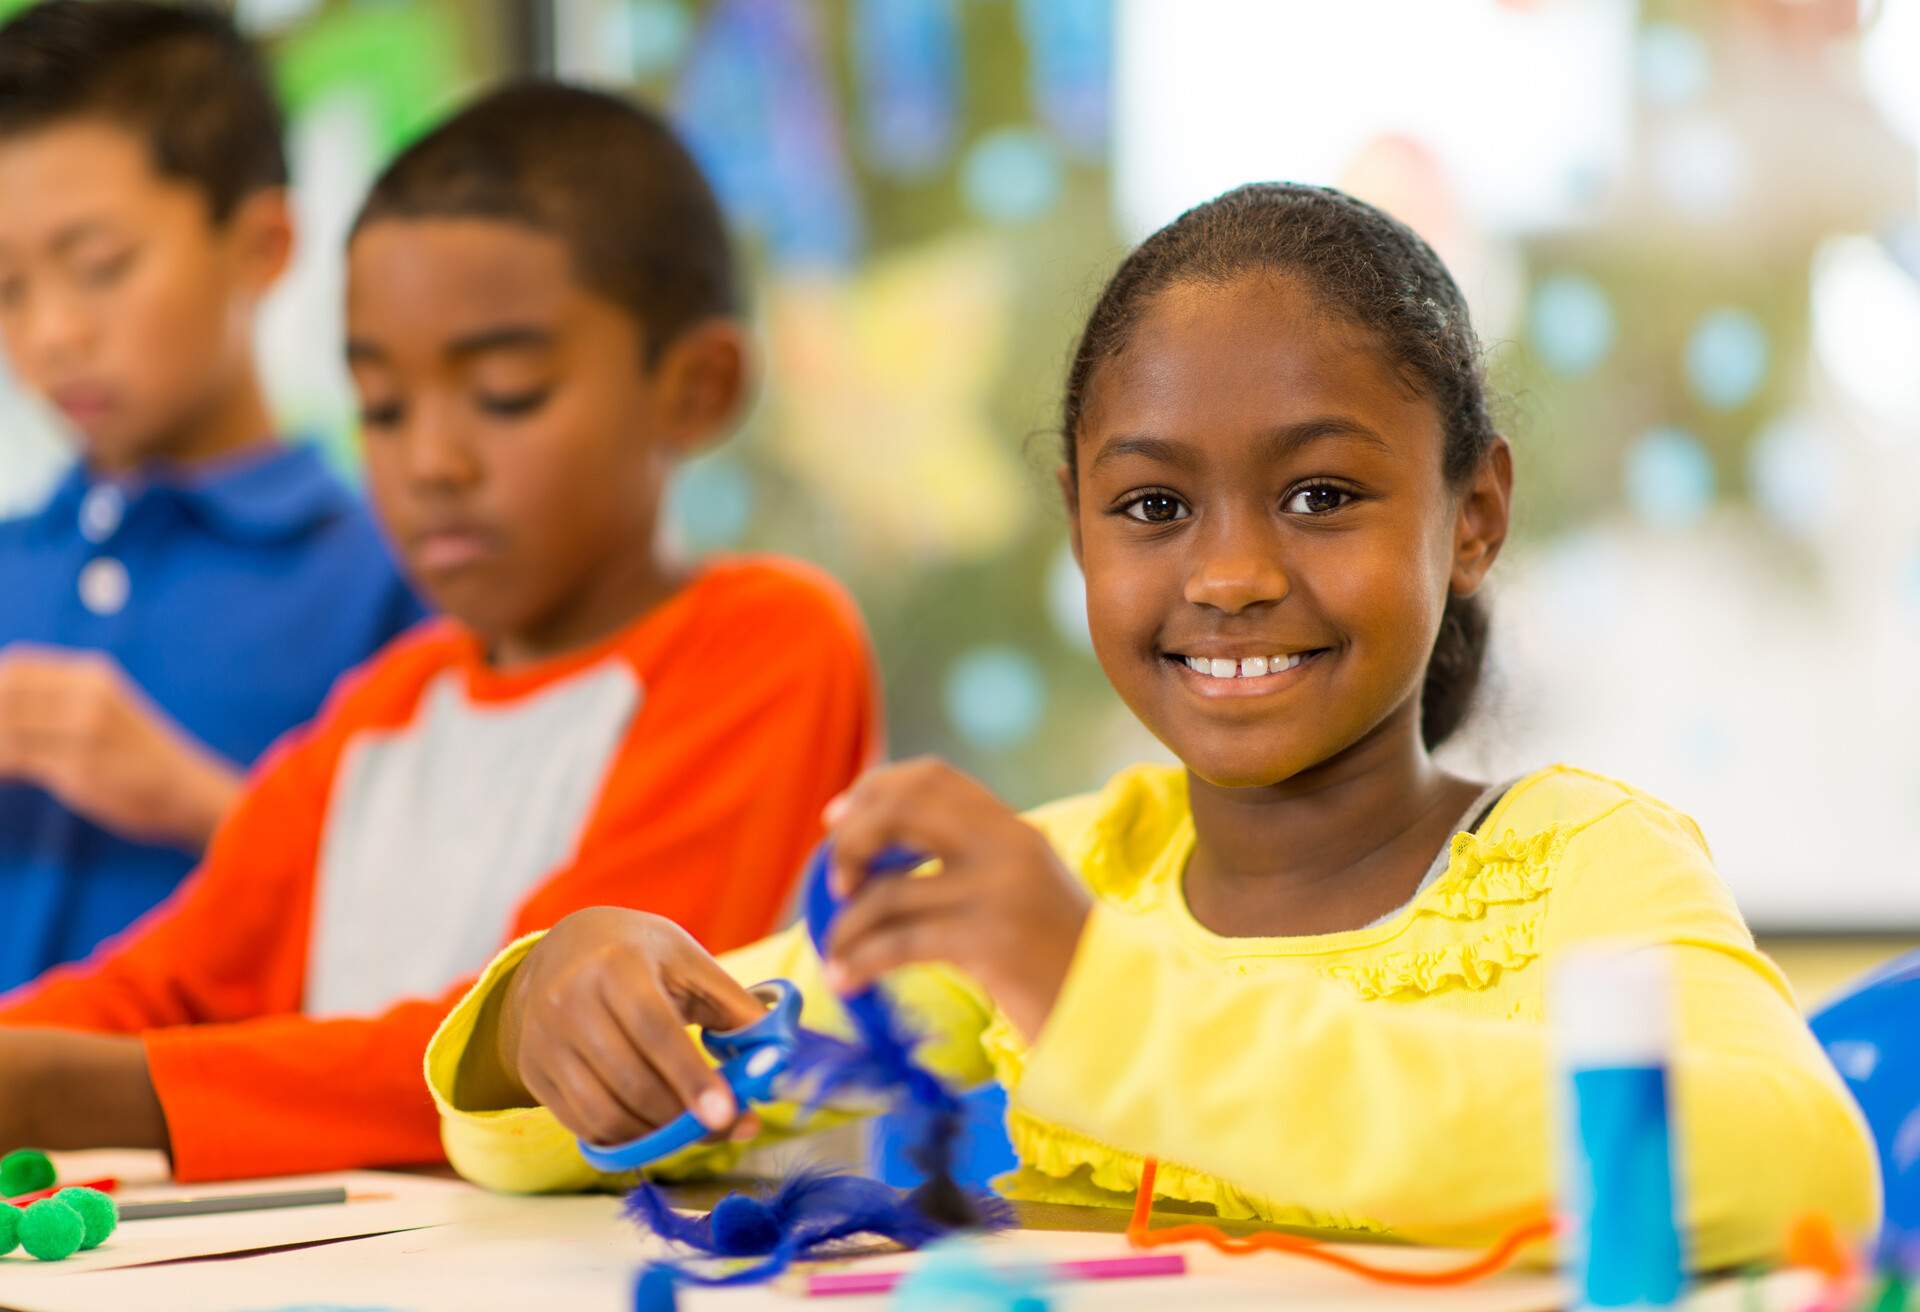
[[1701, 167], [1791, 470], [712, 502], [649, 35], [1011, 176], [1571, 323], [1673, 65], [1866, 326], [1669, 478], [994, 697], [1067, 598], [1727, 358]]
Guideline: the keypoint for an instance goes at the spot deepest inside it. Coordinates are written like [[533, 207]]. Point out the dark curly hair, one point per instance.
[[1370, 269], [180, 76]]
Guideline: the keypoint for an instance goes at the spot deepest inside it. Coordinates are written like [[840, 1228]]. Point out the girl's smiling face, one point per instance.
[[1259, 492]]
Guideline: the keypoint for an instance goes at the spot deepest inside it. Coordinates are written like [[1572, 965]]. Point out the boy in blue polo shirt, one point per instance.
[[193, 588]]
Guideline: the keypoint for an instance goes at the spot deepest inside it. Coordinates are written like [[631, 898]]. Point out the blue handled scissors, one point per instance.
[[751, 1059], [755, 1056]]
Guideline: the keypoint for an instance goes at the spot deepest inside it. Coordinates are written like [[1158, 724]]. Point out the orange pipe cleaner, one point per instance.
[[1484, 1265]]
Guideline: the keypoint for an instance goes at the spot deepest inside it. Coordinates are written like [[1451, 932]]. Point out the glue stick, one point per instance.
[[1612, 1017]]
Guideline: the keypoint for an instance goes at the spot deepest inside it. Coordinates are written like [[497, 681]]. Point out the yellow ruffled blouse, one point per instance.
[[1394, 1079]]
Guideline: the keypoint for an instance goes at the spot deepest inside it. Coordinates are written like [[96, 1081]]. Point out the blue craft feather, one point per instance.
[[811, 1211], [814, 1209], [887, 1061]]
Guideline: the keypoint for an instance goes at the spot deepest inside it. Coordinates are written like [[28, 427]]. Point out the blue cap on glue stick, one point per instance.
[[1612, 1017]]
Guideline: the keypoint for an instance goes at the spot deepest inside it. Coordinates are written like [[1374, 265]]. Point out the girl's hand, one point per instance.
[[1002, 907], [593, 1026]]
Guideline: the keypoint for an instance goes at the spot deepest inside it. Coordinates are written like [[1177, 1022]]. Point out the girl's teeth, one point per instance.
[[1250, 668]]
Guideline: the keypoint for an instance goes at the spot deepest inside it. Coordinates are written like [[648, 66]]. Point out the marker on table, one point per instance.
[[1092, 1268], [210, 1205]]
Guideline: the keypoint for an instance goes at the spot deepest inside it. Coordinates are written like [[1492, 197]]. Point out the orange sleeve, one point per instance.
[[715, 799], [289, 1095], [746, 730], [229, 942]]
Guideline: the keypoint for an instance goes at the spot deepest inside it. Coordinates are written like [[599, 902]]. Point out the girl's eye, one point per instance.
[[516, 405], [1156, 508], [1317, 499]]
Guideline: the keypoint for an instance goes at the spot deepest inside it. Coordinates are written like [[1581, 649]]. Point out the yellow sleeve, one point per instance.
[[1438, 1125], [526, 1150]]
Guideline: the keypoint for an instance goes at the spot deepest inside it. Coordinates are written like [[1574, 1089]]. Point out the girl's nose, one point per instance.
[[1237, 567]]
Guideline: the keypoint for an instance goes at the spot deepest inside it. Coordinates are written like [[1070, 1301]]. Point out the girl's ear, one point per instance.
[[1070, 495], [1480, 527], [703, 380]]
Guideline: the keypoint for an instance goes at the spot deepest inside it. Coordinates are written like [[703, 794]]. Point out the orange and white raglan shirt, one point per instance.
[[437, 810]]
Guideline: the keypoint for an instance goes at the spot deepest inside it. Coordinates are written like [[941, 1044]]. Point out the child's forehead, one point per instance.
[[82, 163], [1261, 348], [1253, 306], [459, 264]]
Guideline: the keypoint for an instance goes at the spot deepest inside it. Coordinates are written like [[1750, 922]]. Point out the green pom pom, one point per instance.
[[24, 1172], [9, 1228], [96, 1211], [50, 1230]]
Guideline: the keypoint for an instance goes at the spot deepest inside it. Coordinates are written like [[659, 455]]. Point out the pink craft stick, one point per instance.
[[1092, 1268]]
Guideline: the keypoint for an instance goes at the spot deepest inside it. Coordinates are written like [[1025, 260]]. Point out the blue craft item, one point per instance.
[[811, 1212], [955, 1277], [752, 1058], [983, 1153], [930, 1112], [1872, 1033], [814, 1209], [1611, 1015], [654, 1289]]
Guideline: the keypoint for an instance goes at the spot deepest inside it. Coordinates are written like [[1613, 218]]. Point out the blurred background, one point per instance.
[[1690, 233]]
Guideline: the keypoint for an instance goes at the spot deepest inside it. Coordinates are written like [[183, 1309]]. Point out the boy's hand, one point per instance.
[[1002, 907], [64, 1090], [73, 724], [594, 1026]]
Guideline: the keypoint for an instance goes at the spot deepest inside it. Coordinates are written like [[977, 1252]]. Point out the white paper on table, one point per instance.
[[493, 1253], [579, 1253], [403, 1202]]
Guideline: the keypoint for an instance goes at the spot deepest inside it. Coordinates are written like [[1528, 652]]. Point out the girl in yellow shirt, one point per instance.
[[1306, 969]]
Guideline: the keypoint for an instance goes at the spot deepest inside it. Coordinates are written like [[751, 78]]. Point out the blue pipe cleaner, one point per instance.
[[935, 1115], [816, 1208]]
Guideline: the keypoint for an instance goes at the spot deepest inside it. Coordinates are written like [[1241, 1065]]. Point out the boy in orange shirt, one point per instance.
[[542, 318]]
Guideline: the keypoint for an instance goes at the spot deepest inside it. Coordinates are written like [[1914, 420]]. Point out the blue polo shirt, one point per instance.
[[234, 595]]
